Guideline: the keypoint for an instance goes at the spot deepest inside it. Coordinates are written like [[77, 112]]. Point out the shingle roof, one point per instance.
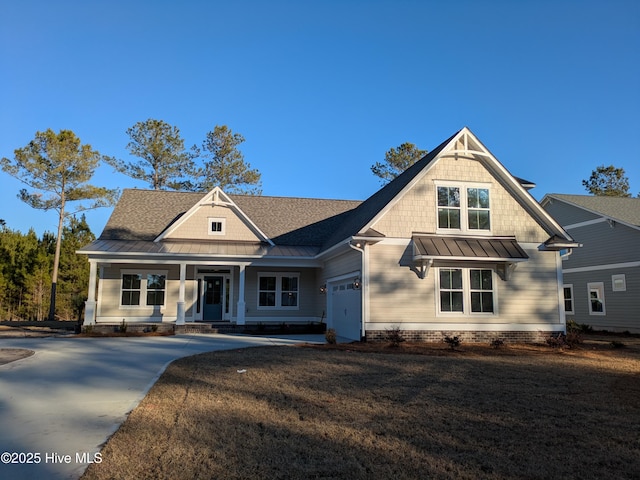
[[625, 209], [144, 214], [364, 213]]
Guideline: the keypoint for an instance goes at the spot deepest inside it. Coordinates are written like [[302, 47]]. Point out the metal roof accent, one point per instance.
[[497, 249]]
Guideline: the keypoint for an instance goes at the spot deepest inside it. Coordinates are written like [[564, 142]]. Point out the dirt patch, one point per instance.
[[8, 355], [417, 411]]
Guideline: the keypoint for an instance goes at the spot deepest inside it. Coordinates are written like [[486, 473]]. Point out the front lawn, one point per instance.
[[519, 412]]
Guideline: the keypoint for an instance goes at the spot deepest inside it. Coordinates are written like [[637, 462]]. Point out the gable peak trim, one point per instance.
[[215, 197]]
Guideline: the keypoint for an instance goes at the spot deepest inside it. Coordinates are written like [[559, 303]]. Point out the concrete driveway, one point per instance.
[[59, 405]]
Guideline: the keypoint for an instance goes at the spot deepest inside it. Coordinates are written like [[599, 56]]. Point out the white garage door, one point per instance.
[[346, 309]]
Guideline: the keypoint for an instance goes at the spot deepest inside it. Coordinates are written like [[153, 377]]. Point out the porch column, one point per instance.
[[90, 303], [241, 304], [183, 278]]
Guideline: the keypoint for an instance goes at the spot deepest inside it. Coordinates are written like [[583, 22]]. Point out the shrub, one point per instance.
[[497, 343], [394, 336], [453, 342], [123, 327], [154, 328], [331, 337], [573, 326], [570, 340], [617, 344], [87, 329]]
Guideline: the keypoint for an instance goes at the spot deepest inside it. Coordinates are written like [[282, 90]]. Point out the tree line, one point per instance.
[[26, 267], [58, 169]]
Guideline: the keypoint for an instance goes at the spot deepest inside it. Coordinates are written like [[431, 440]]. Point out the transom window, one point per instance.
[[466, 291], [278, 290], [144, 288], [464, 207]]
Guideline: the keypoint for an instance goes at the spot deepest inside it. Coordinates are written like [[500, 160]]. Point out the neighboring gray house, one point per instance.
[[455, 245], [601, 279]]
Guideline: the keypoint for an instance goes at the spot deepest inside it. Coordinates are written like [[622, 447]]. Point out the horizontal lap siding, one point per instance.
[[348, 262], [311, 301], [397, 294], [622, 308], [110, 289], [531, 294], [603, 245]]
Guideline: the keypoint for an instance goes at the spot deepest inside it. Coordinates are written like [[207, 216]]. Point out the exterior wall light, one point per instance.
[[356, 284]]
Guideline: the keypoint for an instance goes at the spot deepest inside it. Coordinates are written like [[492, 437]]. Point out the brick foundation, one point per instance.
[[107, 328], [465, 336]]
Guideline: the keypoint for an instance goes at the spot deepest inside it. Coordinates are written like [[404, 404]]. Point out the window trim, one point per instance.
[[464, 207], [278, 292], [467, 290], [572, 299], [598, 288], [223, 226], [143, 287]]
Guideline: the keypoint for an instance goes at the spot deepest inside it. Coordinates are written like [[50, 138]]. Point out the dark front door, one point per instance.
[[213, 295]]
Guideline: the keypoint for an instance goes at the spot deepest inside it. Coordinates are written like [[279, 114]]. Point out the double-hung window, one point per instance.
[[596, 298], [466, 291], [464, 208], [568, 298], [143, 289], [278, 290]]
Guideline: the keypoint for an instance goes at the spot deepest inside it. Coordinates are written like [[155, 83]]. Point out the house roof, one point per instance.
[[623, 209], [464, 248], [365, 212], [145, 214]]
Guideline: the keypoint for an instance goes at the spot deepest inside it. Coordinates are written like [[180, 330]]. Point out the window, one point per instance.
[[596, 298], [278, 290], [466, 291], [131, 285], [451, 292], [481, 291], [155, 289], [217, 226], [463, 207], [568, 298], [147, 287], [619, 283], [448, 207]]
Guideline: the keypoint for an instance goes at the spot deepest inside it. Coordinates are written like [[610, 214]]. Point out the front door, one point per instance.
[[213, 299]]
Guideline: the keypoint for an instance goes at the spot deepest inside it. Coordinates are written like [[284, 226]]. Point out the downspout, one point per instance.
[[364, 306]]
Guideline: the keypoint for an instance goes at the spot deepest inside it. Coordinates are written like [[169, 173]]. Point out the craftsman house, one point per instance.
[[454, 245], [601, 279]]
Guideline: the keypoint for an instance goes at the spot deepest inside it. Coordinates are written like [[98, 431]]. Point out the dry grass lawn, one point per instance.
[[519, 412]]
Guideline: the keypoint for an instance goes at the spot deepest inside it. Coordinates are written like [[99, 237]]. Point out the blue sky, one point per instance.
[[322, 89]]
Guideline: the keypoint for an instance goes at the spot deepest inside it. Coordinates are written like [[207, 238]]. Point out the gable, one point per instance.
[[197, 226], [416, 210], [462, 158]]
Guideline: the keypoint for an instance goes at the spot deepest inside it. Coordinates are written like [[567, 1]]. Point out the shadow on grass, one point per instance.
[[304, 413]]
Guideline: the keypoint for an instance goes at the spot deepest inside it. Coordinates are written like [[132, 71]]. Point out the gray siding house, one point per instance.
[[453, 245], [602, 279]]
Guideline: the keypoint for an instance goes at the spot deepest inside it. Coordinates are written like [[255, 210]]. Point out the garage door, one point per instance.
[[346, 309]]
